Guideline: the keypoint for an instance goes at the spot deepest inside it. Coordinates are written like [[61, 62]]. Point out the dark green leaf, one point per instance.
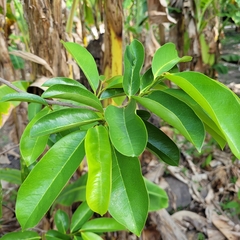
[[143, 114], [55, 235], [47, 179], [111, 93], [146, 79], [11, 175], [28, 235], [62, 120], [62, 221]]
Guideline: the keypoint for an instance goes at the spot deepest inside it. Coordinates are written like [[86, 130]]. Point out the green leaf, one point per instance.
[[146, 79], [115, 82], [28, 235], [61, 219], [90, 236], [99, 225], [133, 61], [64, 81], [47, 179], [99, 159], [1, 199], [24, 97], [220, 103], [129, 198], [127, 130], [161, 145], [85, 61], [82, 214], [73, 93], [32, 147], [165, 58], [11, 175], [62, 120], [158, 198], [73, 192], [143, 114], [210, 125], [111, 93], [177, 114], [33, 109], [55, 235]]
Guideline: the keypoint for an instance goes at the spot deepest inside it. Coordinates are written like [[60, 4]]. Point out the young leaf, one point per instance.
[[24, 97], [129, 198], [165, 58], [127, 130], [80, 216], [133, 61], [90, 236], [99, 225], [21, 235], [220, 103], [11, 175], [63, 81], [176, 113], [47, 179], [62, 120], [161, 145], [61, 219], [32, 147], [115, 82], [85, 61], [74, 192], [99, 159], [73, 93], [158, 198]]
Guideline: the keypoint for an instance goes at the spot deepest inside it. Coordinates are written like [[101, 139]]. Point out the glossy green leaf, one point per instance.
[[129, 198], [62, 120], [61, 219], [158, 198], [32, 147], [99, 225], [62, 80], [143, 114], [55, 235], [82, 214], [161, 145], [127, 130], [115, 82], [47, 179], [99, 159], [209, 124], [165, 58], [90, 236], [111, 93], [133, 61], [74, 192], [11, 175], [176, 113], [73, 93], [28, 235], [221, 104], [85, 61], [33, 109], [146, 79], [24, 97]]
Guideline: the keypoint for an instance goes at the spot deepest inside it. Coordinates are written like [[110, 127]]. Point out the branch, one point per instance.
[[50, 102]]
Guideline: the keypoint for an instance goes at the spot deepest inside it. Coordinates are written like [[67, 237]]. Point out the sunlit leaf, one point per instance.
[[90, 236]]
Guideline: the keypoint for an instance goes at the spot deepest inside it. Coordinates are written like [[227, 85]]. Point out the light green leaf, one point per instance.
[[62, 120], [28, 235], [11, 175], [115, 82], [32, 147], [220, 103], [158, 198], [74, 192], [82, 214], [63, 80], [165, 58], [161, 145], [127, 130], [47, 179], [73, 93], [33, 109], [85, 61], [24, 97], [177, 114], [129, 198], [90, 236], [61, 219], [99, 159], [99, 225], [133, 61]]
